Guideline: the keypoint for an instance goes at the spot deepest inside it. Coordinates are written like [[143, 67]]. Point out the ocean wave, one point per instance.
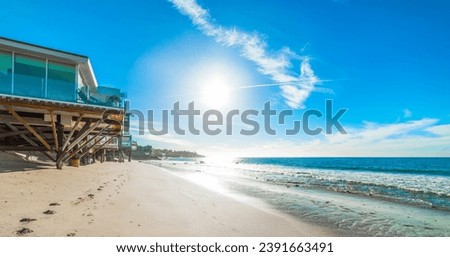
[[420, 190], [418, 166]]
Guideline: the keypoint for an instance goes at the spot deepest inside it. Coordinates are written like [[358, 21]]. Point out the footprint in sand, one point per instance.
[[54, 204], [24, 231], [27, 220], [49, 212], [71, 234]]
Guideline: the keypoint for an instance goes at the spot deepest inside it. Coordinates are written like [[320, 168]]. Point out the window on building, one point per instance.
[[5, 72], [29, 76], [61, 81]]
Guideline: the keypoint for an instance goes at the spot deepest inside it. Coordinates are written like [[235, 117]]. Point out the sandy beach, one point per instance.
[[127, 199]]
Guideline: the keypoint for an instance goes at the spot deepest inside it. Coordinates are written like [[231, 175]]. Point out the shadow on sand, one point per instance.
[[13, 163]]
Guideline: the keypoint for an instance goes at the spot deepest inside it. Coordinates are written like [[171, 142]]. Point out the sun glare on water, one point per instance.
[[222, 159]]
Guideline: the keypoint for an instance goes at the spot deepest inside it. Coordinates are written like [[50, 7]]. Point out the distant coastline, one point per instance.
[[148, 153]]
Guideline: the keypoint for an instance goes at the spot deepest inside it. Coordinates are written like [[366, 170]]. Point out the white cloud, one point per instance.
[[440, 130], [254, 48], [407, 113], [397, 139], [296, 95], [375, 132]]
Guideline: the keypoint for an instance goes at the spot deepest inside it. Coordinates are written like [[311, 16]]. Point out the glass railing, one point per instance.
[[96, 98], [33, 87]]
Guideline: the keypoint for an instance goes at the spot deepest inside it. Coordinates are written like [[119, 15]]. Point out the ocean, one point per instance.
[[358, 196]]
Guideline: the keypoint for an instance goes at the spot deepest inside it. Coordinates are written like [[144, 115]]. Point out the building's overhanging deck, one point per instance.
[[61, 130]]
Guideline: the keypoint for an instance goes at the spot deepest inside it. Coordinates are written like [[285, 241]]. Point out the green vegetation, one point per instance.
[[148, 153]]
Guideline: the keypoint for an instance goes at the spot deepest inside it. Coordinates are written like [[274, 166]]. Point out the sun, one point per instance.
[[217, 84], [216, 91]]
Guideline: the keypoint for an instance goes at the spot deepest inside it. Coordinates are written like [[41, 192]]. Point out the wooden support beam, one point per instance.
[[72, 131], [62, 153], [31, 142], [101, 146], [14, 133], [11, 110], [55, 136], [49, 156], [61, 136], [31, 121], [83, 129], [77, 140], [83, 135], [43, 134], [102, 158], [88, 141], [83, 146], [22, 148]]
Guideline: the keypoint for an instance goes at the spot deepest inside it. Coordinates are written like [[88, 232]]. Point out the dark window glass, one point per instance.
[[5, 72], [29, 76], [61, 81]]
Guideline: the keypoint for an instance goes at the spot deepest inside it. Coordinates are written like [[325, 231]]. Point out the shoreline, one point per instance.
[[131, 199], [347, 214]]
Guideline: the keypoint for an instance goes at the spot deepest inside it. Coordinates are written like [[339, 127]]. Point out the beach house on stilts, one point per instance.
[[50, 102]]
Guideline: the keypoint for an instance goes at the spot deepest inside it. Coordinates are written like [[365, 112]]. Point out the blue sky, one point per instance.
[[386, 61]]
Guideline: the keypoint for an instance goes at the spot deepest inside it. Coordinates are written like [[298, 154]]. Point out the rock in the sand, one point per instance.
[[54, 204]]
